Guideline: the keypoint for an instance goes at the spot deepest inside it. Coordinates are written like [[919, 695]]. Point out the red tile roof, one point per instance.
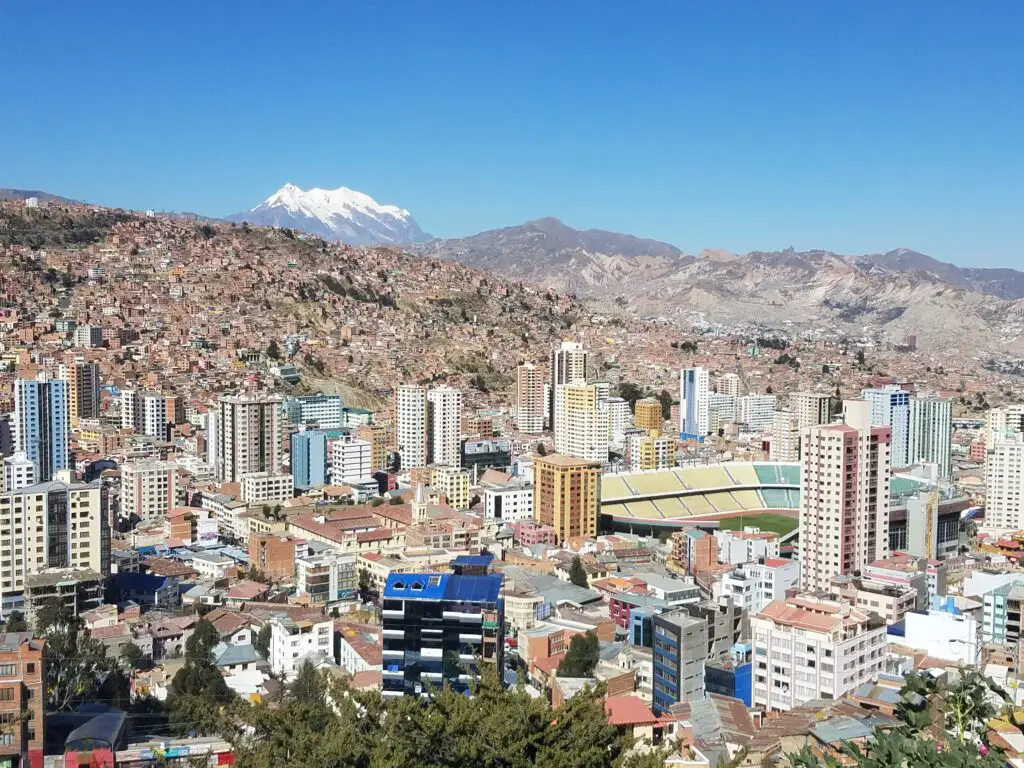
[[628, 710]]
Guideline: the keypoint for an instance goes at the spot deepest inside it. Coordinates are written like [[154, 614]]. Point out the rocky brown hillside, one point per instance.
[[205, 297], [900, 293]]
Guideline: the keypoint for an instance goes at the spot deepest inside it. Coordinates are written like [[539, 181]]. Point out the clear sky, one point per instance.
[[851, 125]]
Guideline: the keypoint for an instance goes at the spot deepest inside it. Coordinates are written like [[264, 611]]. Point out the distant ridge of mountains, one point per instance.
[[902, 291]]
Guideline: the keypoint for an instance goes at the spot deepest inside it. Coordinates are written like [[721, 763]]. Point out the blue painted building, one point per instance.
[[41, 425], [310, 466], [437, 628]]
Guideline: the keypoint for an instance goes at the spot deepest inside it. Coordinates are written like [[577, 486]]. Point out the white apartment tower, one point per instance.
[[785, 437], [582, 421], [350, 460], [411, 425], [1003, 421], [530, 402], [568, 364], [145, 412], [1004, 483], [728, 384], [931, 432], [694, 402], [811, 408], [444, 417], [249, 436], [757, 411], [149, 489], [41, 425], [51, 525], [890, 407], [844, 496]]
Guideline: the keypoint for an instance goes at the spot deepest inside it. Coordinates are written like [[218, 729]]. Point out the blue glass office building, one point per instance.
[[309, 458]]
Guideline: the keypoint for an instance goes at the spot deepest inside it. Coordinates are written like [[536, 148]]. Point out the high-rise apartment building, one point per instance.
[[444, 417], [1006, 420], [82, 379], [566, 494], [650, 451], [411, 425], [439, 627], [931, 432], [350, 460], [619, 418], [453, 483], [728, 384], [249, 435], [568, 364], [890, 407], [1004, 483], [325, 411], [41, 424], [757, 411], [694, 392], [680, 653], [647, 414], [377, 436], [149, 489], [844, 496], [51, 525], [811, 408], [530, 403], [582, 421], [19, 471], [148, 413], [308, 456], [785, 444], [809, 648]]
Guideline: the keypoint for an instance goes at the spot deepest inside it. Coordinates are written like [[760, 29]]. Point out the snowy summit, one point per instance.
[[335, 214]]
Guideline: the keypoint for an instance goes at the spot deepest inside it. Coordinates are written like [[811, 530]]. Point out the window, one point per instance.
[[6, 670], [6, 694], [31, 668]]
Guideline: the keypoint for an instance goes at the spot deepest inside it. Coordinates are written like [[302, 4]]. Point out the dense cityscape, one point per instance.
[[772, 549]]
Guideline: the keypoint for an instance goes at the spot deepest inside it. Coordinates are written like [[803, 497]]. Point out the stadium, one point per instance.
[[763, 494]]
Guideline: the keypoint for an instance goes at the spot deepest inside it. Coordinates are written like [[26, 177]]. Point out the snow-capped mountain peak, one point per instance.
[[336, 214]]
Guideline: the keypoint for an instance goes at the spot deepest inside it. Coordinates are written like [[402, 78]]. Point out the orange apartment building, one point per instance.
[[22, 699]]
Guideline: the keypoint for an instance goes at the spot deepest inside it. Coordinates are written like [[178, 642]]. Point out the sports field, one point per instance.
[[766, 521]]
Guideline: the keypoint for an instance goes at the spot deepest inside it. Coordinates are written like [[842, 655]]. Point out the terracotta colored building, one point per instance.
[[22, 696], [273, 554]]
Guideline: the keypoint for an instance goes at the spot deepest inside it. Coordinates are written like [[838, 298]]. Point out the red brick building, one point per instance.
[[22, 699]]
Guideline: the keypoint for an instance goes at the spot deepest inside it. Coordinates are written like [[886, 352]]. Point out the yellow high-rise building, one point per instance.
[[378, 437], [453, 483], [647, 414], [566, 494]]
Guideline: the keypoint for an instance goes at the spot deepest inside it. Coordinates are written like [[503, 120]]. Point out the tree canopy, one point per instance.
[[577, 573], [582, 656]]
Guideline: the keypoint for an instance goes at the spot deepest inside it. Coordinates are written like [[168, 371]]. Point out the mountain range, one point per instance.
[[901, 292], [340, 214]]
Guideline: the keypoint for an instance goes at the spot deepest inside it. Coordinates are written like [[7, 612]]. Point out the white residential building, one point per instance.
[[811, 408], [844, 496], [411, 425], [723, 405], [931, 432], [694, 403], [267, 487], [582, 421], [728, 384], [568, 364], [55, 524], [1000, 422], [212, 565], [351, 460], [890, 407], [249, 434], [810, 648], [292, 642], [757, 411], [327, 576], [746, 546], [323, 410], [1004, 483], [18, 472], [774, 577], [510, 502], [41, 425], [619, 418], [444, 419], [785, 444], [149, 489]]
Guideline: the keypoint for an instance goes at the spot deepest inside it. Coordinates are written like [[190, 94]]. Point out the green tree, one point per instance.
[[202, 641], [262, 641], [541, 450], [860, 357], [132, 656], [199, 692], [16, 622], [665, 397], [582, 656], [308, 686], [83, 665], [968, 705], [577, 573], [630, 392], [273, 351]]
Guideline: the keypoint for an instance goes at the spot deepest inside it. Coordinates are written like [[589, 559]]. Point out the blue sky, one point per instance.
[[851, 126]]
